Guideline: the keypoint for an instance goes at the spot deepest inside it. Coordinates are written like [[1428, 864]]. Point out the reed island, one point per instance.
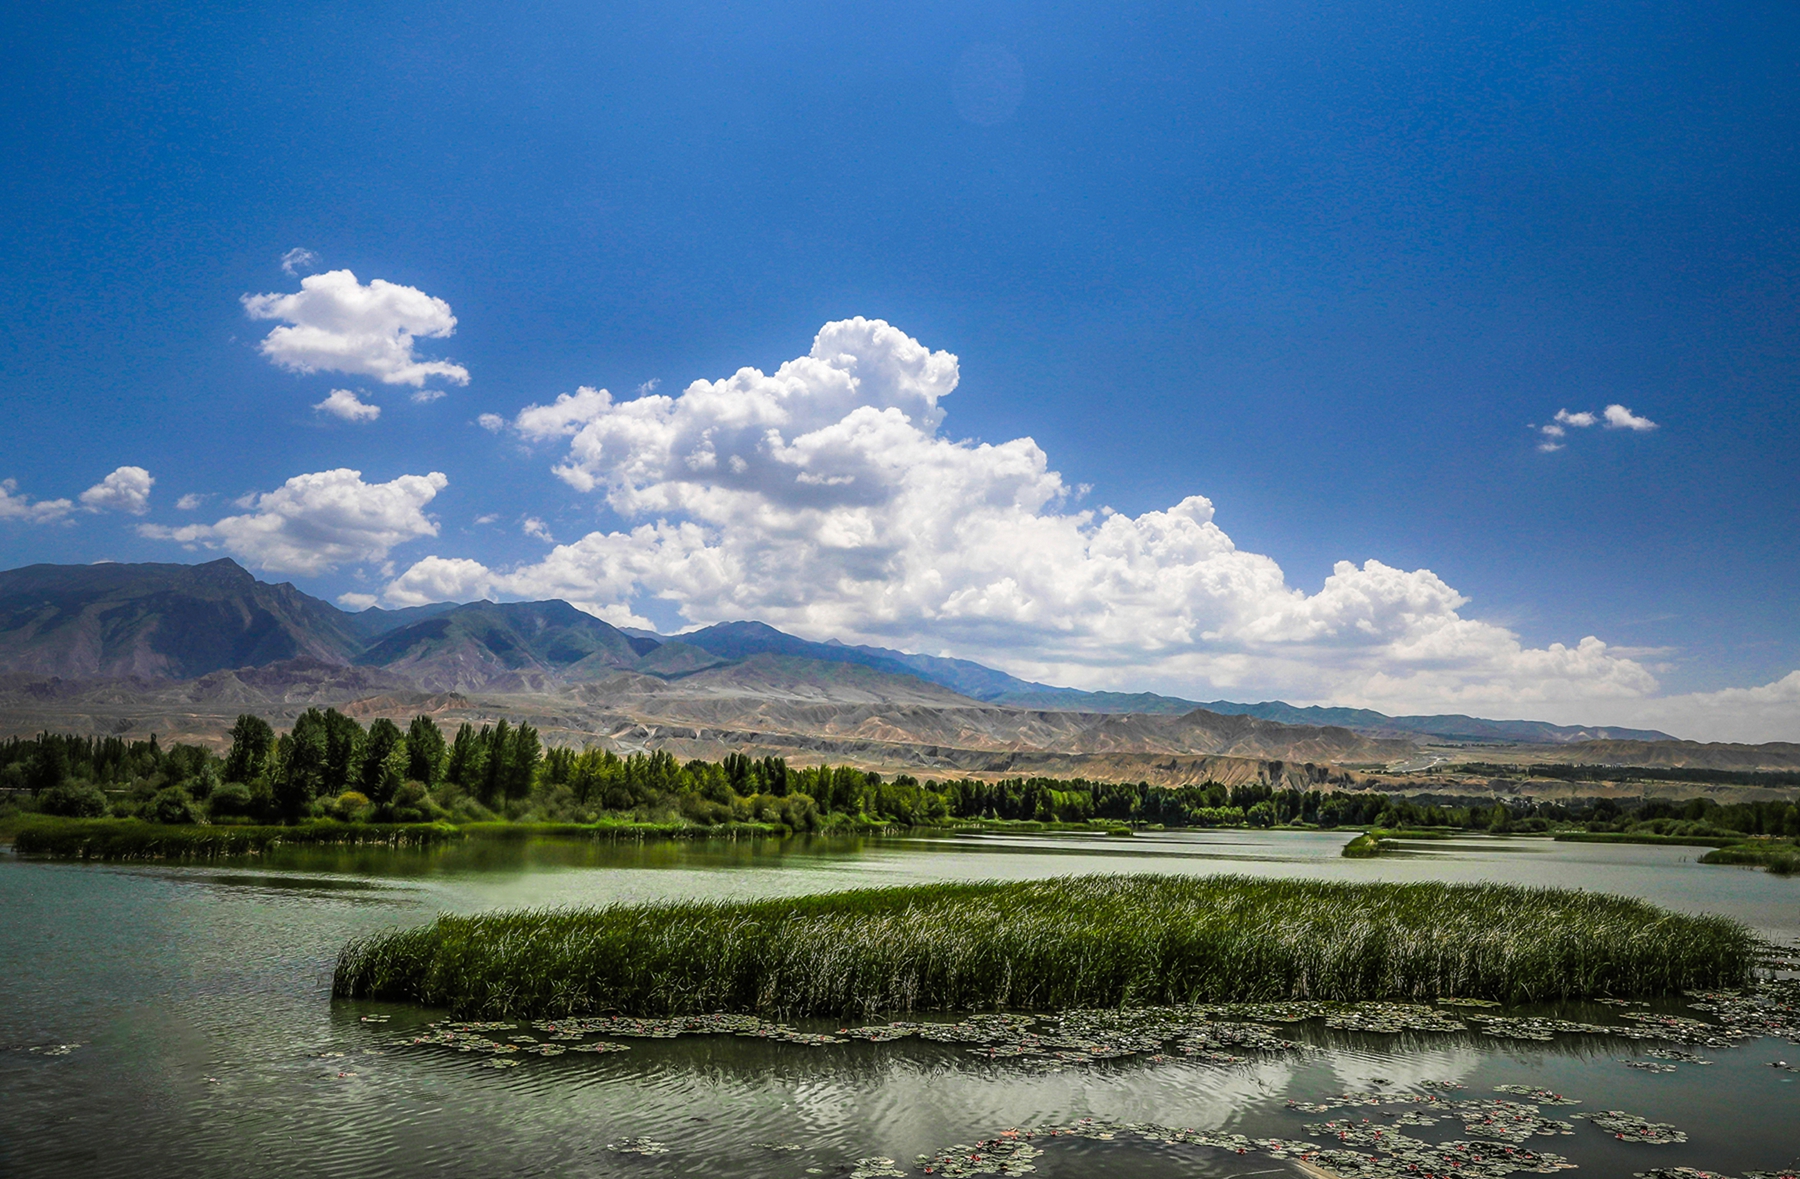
[[1072, 942]]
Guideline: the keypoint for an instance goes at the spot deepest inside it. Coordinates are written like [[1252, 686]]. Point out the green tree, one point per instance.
[[467, 765], [344, 740], [522, 753], [384, 761], [425, 751], [252, 741], [302, 753]]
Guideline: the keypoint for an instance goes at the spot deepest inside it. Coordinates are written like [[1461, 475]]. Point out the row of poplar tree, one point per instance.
[[327, 754]]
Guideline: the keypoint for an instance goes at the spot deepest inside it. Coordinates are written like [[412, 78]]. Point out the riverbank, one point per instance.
[[1095, 941], [134, 839]]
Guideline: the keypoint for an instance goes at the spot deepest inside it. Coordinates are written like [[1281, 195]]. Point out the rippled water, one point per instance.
[[205, 1041]]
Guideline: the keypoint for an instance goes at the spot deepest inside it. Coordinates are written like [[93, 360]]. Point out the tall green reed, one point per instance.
[[1072, 942]]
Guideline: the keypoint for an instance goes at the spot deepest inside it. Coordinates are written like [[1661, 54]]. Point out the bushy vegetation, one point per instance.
[[1091, 941], [127, 839], [329, 767]]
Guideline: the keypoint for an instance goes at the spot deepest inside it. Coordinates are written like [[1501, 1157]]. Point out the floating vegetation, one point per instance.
[[1392, 1018], [1078, 942], [1631, 1128], [1676, 1054], [1212, 1033], [1370, 1152], [874, 1167], [1539, 1097]]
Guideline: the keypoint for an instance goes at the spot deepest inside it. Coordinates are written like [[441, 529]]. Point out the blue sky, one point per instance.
[[1331, 269]]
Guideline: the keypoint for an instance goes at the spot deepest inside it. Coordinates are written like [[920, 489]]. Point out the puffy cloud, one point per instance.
[[125, 490], [357, 602], [493, 423], [1770, 712], [313, 523], [191, 501], [427, 396], [1616, 417], [345, 404], [1620, 418], [822, 499], [335, 324], [298, 259], [14, 506], [534, 527]]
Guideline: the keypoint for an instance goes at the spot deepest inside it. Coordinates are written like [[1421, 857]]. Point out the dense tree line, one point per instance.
[[328, 765]]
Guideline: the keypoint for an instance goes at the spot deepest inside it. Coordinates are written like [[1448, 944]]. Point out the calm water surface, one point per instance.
[[178, 1021]]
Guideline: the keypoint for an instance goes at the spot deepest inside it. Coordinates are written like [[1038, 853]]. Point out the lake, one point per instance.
[[177, 1020]]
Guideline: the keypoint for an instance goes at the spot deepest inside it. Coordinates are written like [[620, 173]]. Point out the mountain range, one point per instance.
[[113, 646]]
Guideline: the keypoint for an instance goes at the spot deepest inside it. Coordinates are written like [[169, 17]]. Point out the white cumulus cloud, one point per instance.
[[353, 601], [1615, 417], [333, 323], [1620, 418], [344, 404], [822, 499], [537, 529], [314, 523], [493, 423], [1770, 712], [15, 506], [125, 490], [191, 501]]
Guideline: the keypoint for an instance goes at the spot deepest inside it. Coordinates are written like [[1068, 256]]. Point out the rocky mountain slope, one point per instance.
[[183, 649]]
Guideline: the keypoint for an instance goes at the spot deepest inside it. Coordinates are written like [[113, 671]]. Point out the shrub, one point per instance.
[[232, 800], [171, 805], [77, 800], [349, 805], [411, 804]]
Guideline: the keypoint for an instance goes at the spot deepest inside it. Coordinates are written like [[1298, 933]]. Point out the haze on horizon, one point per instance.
[[1435, 361]]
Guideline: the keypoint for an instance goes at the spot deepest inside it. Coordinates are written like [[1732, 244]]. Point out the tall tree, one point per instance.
[[467, 766], [252, 740], [303, 754], [493, 781], [383, 761], [344, 740], [522, 753], [424, 751]]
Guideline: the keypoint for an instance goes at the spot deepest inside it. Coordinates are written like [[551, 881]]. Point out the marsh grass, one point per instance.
[[130, 839], [1781, 859], [1377, 840], [1645, 837], [1093, 941]]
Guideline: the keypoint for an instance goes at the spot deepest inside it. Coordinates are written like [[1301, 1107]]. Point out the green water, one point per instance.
[[206, 1043]]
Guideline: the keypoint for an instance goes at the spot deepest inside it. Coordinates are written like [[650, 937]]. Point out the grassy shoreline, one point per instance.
[[132, 839], [1095, 941]]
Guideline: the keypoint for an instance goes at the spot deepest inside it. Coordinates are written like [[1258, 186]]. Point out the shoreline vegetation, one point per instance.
[[1073, 942], [330, 780]]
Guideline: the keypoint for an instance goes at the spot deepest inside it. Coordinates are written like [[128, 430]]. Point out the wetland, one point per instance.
[[179, 1019]]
